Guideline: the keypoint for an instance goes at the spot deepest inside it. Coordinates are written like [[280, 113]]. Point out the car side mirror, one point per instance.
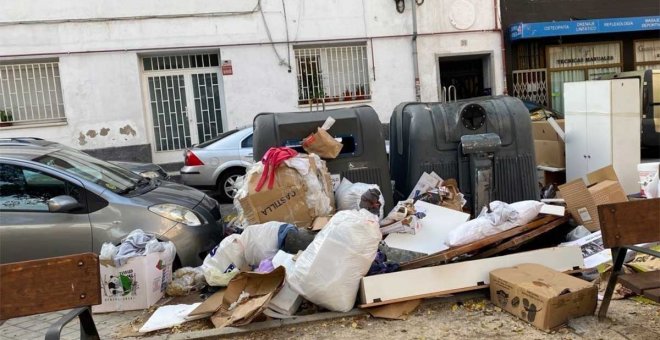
[[62, 203]]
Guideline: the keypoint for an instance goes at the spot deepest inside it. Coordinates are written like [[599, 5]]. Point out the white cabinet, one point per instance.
[[602, 123]]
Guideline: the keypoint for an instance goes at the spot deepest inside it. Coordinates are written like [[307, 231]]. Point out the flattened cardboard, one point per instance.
[[581, 201], [542, 296], [543, 130], [395, 311], [261, 287], [210, 305]]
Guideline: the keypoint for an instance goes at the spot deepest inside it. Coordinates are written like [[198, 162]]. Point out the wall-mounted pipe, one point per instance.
[[418, 96]]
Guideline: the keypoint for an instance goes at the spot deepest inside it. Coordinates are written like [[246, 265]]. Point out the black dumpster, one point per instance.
[[485, 143], [363, 157]]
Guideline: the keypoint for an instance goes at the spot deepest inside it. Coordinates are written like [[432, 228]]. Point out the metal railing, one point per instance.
[[332, 74], [30, 93]]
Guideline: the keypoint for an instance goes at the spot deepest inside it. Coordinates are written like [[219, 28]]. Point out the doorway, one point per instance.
[[464, 77], [184, 102]]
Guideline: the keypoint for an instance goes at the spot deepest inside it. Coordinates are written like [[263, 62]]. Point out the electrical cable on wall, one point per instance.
[[288, 47], [270, 38]]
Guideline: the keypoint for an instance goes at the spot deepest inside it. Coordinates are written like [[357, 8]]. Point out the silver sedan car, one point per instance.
[[217, 163], [56, 201]]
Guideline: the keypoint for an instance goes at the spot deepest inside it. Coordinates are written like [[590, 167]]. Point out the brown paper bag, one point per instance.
[[322, 144]]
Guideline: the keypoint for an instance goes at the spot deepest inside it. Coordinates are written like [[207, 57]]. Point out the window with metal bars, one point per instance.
[[332, 73], [30, 94]]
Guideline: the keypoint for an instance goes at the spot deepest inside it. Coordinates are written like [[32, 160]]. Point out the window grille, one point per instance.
[[31, 93], [332, 74], [178, 62]]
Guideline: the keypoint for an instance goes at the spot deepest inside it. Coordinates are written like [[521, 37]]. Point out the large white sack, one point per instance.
[[260, 242], [224, 261], [328, 272], [527, 211], [348, 195]]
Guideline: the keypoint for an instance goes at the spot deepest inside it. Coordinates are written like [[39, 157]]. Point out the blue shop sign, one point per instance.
[[576, 27]]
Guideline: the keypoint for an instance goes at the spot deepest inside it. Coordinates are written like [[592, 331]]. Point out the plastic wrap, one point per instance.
[[186, 280], [328, 272], [317, 199]]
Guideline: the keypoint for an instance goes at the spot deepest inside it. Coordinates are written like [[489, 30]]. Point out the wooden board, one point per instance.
[[640, 282], [521, 239], [447, 255], [457, 277], [653, 294], [629, 223], [48, 285], [430, 238]]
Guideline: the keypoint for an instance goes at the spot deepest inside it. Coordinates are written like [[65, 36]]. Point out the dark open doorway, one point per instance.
[[467, 74]]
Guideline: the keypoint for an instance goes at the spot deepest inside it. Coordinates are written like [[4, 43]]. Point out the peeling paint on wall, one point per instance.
[[127, 130], [81, 139]]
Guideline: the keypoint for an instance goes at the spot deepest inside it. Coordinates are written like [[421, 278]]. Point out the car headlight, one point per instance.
[[150, 174], [176, 213]]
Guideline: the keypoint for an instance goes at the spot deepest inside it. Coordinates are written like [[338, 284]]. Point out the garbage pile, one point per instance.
[[297, 240]]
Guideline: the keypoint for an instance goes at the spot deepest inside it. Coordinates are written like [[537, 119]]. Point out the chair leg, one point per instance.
[[618, 255], [87, 328]]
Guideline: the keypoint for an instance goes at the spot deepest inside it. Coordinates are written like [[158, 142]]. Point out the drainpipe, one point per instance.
[[418, 96]]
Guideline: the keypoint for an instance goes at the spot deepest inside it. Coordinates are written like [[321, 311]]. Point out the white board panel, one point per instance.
[[437, 224], [429, 281]]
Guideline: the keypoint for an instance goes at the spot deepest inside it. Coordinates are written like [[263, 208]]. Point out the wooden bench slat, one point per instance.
[[639, 282], [53, 284]]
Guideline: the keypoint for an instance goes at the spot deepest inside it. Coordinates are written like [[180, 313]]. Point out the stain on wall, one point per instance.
[[127, 130], [91, 133], [104, 131], [81, 139]]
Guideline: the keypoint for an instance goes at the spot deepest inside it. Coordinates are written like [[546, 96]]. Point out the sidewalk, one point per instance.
[[35, 326]]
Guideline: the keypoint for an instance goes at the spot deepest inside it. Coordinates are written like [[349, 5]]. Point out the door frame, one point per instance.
[[175, 156], [487, 74]]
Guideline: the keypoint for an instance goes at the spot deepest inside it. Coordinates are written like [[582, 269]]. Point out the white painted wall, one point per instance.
[[100, 44]]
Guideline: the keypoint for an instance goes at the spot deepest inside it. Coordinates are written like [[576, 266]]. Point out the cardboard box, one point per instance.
[[548, 146], [542, 296], [138, 284], [287, 200], [602, 187]]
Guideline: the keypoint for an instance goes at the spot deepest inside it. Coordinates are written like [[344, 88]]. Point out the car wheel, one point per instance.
[[226, 189]]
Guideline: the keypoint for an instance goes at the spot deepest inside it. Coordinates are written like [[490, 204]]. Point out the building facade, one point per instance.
[[142, 80], [550, 42]]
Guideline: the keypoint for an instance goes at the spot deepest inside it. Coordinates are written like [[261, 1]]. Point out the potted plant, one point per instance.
[[348, 95], [360, 94], [6, 118]]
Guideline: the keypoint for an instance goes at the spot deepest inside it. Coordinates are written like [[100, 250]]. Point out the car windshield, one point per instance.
[[107, 175], [217, 138]]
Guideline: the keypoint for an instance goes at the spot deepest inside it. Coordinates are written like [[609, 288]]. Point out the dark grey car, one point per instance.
[[55, 201]]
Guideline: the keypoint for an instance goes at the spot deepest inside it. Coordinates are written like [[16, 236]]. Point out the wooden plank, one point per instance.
[[447, 255], [521, 239], [48, 285], [457, 277], [628, 223], [653, 294], [639, 282]]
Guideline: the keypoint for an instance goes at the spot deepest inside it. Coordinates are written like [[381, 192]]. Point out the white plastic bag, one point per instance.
[[349, 196], [224, 261], [260, 242], [652, 188], [501, 218], [108, 251], [527, 211], [328, 272]]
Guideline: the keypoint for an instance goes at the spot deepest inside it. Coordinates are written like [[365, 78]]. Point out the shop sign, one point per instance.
[[577, 27], [564, 56], [647, 50]]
